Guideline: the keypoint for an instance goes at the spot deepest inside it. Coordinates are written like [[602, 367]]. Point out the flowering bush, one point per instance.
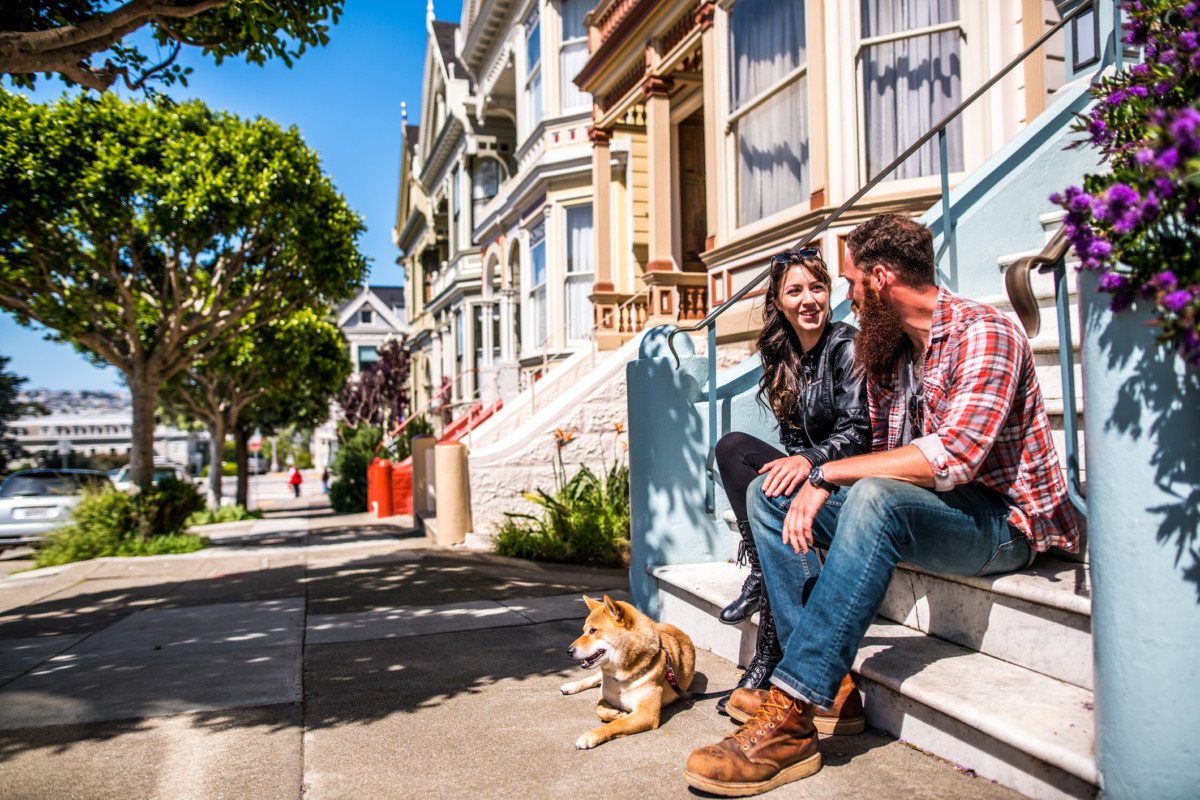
[[1139, 225]]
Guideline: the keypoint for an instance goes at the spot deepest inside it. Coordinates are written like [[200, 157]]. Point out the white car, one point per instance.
[[34, 502], [123, 482]]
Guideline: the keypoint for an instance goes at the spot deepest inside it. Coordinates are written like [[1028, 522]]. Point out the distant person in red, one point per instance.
[[295, 479]]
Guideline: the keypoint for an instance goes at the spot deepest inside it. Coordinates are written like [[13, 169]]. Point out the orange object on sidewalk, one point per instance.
[[402, 487], [379, 487]]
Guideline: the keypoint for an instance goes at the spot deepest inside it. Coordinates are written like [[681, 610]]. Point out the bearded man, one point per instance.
[[963, 479]]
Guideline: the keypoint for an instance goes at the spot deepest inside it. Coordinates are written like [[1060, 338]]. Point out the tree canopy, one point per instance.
[[67, 36], [285, 373], [146, 233], [380, 394]]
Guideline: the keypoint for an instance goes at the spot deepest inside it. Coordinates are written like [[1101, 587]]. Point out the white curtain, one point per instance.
[[773, 165], [910, 84], [485, 184], [767, 43], [536, 319], [580, 272], [574, 56]]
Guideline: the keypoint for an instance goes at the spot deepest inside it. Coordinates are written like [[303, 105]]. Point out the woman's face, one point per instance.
[[804, 300]]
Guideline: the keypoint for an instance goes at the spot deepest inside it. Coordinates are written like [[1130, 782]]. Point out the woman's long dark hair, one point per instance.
[[777, 342]]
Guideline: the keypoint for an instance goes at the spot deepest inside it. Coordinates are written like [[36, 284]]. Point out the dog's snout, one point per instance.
[[571, 651]]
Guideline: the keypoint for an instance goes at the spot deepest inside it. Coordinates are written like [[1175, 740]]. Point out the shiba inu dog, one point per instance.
[[642, 666]]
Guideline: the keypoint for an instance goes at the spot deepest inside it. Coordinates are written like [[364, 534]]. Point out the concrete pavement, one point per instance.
[[312, 655]]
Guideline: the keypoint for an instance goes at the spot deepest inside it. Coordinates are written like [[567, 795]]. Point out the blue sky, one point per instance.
[[345, 99]]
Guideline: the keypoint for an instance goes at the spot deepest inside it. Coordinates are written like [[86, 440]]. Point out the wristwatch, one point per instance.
[[817, 479]]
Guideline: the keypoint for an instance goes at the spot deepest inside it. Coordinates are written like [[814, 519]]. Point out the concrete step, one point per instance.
[[942, 694]]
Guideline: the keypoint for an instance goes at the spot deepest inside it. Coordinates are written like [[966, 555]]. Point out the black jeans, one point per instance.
[[739, 458]]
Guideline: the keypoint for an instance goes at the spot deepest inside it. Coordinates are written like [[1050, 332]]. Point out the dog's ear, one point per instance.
[[591, 604], [614, 610]]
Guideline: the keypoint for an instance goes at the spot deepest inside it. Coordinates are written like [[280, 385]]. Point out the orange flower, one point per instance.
[[620, 426], [624, 444], [563, 438]]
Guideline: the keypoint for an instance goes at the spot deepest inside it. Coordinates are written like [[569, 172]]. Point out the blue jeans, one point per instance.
[[868, 528]]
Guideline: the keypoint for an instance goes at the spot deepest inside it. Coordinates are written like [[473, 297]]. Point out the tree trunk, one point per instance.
[[216, 430], [241, 436], [143, 392]]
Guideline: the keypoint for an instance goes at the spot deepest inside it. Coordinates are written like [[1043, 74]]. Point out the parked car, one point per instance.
[[161, 470], [34, 502]]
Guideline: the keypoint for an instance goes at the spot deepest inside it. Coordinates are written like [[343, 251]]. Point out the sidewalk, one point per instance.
[[312, 655]]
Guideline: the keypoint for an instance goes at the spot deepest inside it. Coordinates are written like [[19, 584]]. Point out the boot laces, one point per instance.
[[742, 559], [759, 724]]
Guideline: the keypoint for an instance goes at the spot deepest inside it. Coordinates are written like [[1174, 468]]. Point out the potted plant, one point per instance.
[[1135, 226]]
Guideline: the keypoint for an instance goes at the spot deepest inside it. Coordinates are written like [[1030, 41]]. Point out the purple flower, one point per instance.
[[1165, 188], [1188, 40], [1112, 282], [1120, 206], [1139, 69], [1138, 91], [1100, 249], [1165, 281], [1116, 97], [1176, 301]]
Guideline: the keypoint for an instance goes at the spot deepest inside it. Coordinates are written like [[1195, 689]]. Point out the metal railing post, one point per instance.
[[948, 242], [1066, 360], [710, 489], [1118, 54]]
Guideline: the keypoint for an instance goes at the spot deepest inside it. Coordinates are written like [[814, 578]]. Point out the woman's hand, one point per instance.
[[785, 474]]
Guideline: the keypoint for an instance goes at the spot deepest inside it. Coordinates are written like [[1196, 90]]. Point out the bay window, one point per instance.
[[769, 106], [536, 323], [580, 273], [573, 53], [911, 78], [533, 72]]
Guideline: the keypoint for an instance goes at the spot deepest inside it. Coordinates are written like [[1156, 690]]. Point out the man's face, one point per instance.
[[881, 332], [854, 278]]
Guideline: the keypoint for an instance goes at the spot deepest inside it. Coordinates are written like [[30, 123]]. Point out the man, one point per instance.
[[962, 479]]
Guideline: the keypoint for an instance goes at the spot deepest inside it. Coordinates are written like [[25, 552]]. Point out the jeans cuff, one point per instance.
[[799, 691]]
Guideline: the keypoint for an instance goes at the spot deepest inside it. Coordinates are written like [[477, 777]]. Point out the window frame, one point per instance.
[[735, 116], [862, 44], [534, 71]]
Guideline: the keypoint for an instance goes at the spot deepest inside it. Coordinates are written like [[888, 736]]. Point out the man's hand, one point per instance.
[[798, 524], [785, 475]]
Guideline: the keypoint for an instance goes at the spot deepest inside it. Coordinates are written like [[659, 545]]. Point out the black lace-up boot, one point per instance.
[[745, 603], [767, 653]]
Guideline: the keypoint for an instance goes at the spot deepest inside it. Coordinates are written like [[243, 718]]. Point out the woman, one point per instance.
[[819, 399]]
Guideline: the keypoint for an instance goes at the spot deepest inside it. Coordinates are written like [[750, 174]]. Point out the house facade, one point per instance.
[[743, 123]]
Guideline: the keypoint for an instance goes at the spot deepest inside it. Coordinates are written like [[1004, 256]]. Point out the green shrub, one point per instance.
[[228, 469], [584, 522], [348, 492], [304, 460], [231, 513], [112, 523]]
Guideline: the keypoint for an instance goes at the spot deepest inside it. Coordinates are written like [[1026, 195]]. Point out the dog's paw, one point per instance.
[[569, 688], [588, 740]]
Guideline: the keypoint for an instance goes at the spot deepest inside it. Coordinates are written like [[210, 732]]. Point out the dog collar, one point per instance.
[[671, 675]]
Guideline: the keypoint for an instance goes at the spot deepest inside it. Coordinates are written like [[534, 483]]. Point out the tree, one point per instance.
[[381, 392], [292, 364], [10, 408], [147, 233], [63, 36]]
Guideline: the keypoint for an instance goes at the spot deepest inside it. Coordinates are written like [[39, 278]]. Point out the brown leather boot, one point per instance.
[[846, 717], [777, 745]]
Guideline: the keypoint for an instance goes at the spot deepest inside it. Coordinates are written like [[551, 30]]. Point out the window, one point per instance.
[[769, 94], [533, 81], [911, 79], [366, 316], [486, 184], [579, 272], [456, 204], [367, 356], [536, 321], [573, 53]]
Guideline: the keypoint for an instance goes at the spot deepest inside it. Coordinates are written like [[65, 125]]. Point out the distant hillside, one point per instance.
[[84, 402]]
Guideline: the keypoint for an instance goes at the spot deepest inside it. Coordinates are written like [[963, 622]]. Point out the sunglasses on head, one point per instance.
[[786, 258]]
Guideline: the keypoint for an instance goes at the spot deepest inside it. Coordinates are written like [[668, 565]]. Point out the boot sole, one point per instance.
[[829, 726], [801, 769]]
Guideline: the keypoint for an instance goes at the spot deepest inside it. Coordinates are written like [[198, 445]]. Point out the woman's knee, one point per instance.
[[732, 445]]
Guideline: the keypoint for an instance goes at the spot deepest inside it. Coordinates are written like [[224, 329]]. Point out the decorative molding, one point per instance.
[[599, 137], [657, 86]]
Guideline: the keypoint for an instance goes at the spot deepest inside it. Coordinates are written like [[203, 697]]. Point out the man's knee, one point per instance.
[[876, 496]]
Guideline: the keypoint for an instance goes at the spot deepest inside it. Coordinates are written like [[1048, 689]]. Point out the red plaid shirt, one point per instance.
[[985, 420]]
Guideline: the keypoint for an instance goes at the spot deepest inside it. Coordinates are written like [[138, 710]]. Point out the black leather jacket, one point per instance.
[[831, 419]]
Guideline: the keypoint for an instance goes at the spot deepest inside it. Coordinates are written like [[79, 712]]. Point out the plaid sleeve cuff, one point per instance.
[[939, 461]]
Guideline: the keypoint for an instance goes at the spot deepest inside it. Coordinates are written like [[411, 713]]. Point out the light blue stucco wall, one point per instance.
[[668, 450]]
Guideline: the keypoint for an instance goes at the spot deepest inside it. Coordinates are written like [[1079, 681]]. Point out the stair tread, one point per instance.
[[1033, 713], [1049, 582]]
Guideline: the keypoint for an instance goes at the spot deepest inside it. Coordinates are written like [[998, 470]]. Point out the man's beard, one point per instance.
[[880, 335]]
